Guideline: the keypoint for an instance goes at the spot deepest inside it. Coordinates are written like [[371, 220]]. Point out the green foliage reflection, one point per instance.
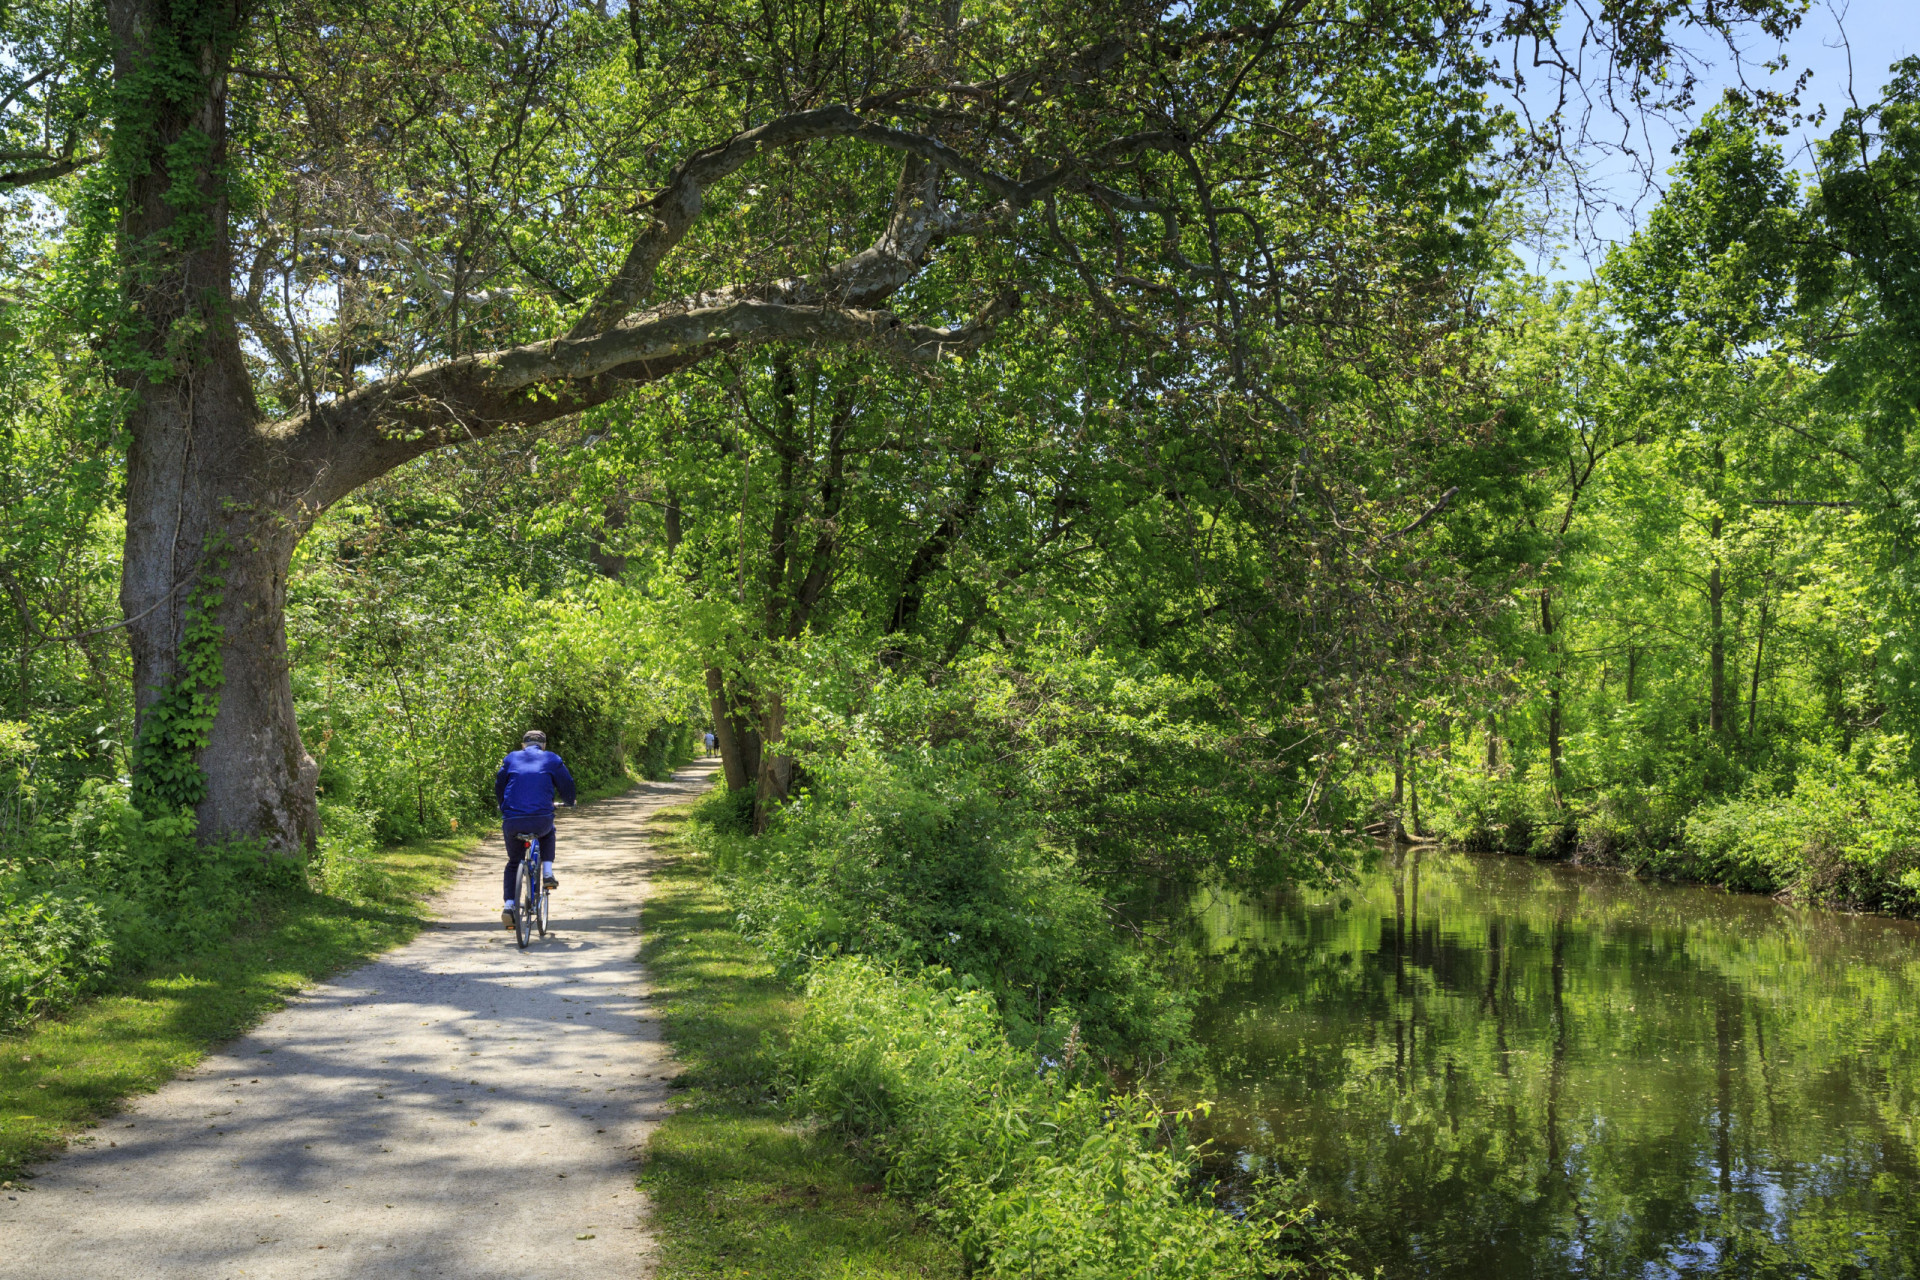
[[1488, 1066]]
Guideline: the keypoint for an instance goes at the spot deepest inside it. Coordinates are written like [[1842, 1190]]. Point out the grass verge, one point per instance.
[[737, 1189], [62, 1075]]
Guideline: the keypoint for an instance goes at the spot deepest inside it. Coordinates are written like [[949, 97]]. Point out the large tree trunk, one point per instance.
[[211, 523], [731, 762], [205, 547]]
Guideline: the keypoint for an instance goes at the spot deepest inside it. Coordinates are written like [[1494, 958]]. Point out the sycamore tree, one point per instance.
[[312, 240]]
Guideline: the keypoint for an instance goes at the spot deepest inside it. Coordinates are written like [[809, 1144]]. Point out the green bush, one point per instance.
[[908, 857], [1500, 813], [413, 708], [52, 949], [964, 991], [109, 890], [1842, 830], [722, 813], [1037, 1175], [343, 865], [666, 748], [1847, 834]]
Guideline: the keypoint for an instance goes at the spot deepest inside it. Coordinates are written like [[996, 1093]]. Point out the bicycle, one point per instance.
[[530, 902]]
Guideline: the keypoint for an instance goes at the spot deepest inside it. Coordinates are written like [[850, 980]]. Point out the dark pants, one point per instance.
[[521, 832]]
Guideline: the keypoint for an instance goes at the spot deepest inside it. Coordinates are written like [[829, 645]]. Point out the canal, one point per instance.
[[1484, 1066]]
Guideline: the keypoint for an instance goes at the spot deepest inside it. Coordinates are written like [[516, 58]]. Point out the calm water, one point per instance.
[[1488, 1067]]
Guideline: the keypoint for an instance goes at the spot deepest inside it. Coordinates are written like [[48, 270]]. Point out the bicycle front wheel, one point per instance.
[[523, 902], [545, 901]]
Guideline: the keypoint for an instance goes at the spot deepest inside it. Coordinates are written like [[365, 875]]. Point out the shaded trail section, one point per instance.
[[457, 1108]]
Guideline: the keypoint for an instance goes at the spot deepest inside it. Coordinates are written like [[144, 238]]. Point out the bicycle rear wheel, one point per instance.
[[525, 887]]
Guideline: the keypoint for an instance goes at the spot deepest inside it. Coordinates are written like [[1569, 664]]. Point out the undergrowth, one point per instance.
[[968, 1011], [737, 1186]]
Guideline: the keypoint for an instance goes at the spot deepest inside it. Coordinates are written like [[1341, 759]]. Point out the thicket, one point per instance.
[[978, 1024], [421, 655], [1035, 1170]]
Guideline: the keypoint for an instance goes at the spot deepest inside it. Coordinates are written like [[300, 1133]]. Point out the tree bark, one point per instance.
[[1413, 795], [1717, 647], [731, 763], [776, 766], [1716, 594], [1397, 829], [207, 497], [1553, 689]]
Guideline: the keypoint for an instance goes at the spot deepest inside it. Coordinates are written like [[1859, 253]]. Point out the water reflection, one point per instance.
[[1489, 1067]]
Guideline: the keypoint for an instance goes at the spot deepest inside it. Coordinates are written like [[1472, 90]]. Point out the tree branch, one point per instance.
[[56, 168], [674, 210], [358, 436], [1431, 514]]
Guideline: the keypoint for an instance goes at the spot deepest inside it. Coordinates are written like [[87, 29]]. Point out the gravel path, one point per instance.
[[457, 1108]]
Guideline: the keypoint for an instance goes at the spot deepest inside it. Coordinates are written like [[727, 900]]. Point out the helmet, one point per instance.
[[533, 738]]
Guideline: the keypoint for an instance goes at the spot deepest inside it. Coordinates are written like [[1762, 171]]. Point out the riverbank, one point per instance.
[[737, 1188], [1845, 835], [923, 918]]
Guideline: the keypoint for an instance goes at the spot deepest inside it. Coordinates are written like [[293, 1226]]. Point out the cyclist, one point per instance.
[[525, 788]]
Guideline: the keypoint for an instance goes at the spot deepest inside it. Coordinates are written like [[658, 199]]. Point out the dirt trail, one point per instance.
[[457, 1108]]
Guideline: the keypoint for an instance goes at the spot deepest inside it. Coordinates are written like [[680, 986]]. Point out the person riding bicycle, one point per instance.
[[525, 788]]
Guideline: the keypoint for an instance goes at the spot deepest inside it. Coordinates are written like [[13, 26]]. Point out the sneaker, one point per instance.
[[506, 917], [551, 883]]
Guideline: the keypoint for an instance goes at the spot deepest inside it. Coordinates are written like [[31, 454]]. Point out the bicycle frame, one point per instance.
[[530, 906]]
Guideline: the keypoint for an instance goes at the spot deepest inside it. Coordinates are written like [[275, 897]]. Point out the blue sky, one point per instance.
[[1848, 47]]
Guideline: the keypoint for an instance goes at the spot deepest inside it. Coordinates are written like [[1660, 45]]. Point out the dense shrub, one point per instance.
[[109, 890], [54, 948], [1847, 834], [909, 858], [409, 708], [1493, 813], [665, 748], [1037, 1173], [969, 1006], [1843, 830]]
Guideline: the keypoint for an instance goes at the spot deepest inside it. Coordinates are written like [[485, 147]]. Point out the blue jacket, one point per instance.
[[527, 782]]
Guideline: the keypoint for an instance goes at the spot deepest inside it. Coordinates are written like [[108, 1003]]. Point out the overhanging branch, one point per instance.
[[369, 431]]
